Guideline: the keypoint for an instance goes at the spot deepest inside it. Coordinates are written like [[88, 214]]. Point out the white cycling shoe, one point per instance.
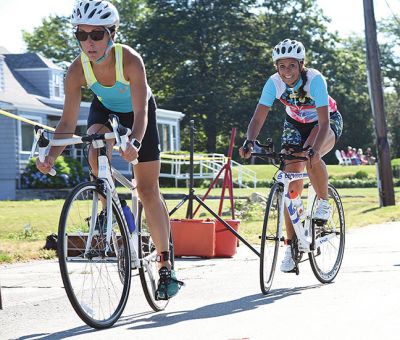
[[287, 264], [323, 211]]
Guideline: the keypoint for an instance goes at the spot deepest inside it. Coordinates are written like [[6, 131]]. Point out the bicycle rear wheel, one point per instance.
[[327, 258], [149, 270], [97, 283], [270, 238]]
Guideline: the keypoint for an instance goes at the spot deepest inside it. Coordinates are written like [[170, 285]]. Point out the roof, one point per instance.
[[29, 60], [17, 96]]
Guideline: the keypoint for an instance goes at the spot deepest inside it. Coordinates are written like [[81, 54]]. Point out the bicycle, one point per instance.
[[97, 252], [323, 241]]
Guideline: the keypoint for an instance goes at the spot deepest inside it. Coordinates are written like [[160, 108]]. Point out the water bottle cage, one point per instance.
[[163, 257]]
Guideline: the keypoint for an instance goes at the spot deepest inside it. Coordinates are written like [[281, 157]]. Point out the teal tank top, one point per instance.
[[118, 97]]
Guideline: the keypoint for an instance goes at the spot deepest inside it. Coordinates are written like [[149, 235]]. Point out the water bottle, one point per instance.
[[297, 203], [130, 220]]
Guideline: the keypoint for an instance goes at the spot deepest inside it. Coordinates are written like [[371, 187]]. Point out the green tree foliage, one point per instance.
[[201, 57], [390, 61], [54, 39]]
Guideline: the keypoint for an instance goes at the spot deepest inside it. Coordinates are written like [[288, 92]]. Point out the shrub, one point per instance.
[[396, 167], [69, 174], [361, 174]]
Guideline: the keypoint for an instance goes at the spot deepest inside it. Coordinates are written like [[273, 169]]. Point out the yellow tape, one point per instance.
[[28, 121], [25, 120]]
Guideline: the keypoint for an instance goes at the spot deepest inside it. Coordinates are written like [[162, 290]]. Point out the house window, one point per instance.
[[27, 134], [57, 85], [164, 133]]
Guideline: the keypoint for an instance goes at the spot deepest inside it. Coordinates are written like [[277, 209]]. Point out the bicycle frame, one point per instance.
[[106, 174], [285, 178], [304, 230]]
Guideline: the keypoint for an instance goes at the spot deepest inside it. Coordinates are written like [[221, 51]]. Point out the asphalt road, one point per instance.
[[222, 299]]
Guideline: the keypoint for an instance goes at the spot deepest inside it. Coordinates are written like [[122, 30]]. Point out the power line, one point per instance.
[[394, 15]]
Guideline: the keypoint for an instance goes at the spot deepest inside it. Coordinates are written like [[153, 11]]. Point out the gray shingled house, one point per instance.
[[31, 86]]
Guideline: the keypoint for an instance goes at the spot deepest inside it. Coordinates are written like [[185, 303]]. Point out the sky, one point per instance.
[[17, 15]]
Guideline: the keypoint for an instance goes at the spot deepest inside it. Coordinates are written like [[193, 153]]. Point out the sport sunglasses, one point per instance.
[[94, 35]]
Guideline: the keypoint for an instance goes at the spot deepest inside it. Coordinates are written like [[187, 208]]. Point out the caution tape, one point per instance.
[[25, 120], [28, 121]]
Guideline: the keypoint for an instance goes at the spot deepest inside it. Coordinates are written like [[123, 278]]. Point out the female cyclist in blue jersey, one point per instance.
[[312, 119], [116, 75]]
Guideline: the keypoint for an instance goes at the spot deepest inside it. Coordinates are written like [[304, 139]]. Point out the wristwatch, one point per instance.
[[136, 144]]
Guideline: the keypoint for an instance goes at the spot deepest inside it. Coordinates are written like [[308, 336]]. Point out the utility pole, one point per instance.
[[385, 176]]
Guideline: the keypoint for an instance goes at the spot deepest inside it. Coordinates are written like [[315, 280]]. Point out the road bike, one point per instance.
[[97, 250], [322, 241]]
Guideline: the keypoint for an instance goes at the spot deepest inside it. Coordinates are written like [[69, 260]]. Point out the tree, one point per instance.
[[200, 57], [54, 39], [390, 60]]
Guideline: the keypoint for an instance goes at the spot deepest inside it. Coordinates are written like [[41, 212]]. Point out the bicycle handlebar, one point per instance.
[[279, 157], [120, 133]]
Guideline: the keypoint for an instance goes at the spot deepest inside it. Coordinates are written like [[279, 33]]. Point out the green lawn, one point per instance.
[[266, 171], [24, 225]]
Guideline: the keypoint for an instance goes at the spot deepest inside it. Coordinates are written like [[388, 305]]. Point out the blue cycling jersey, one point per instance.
[[303, 110]]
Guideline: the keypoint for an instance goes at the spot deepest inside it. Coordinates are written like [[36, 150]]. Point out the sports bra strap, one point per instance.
[[87, 70]]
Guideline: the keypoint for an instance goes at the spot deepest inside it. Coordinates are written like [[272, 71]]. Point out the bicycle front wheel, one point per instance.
[[96, 277], [327, 258], [270, 237], [149, 270]]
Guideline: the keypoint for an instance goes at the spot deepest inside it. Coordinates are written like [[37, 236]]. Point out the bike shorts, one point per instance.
[[296, 133], [150, 149]]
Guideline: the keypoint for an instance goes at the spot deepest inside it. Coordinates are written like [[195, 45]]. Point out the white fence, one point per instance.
[[205, 166]]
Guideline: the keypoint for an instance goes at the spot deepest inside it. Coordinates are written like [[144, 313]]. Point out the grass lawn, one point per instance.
[[24, 225], [337, 171]]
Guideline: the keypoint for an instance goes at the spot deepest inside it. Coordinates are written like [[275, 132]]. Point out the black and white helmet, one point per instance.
[[94, 12], [289, 49]]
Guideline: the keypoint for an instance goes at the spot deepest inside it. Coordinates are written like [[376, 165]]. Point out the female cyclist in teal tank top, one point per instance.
[[117, 76]]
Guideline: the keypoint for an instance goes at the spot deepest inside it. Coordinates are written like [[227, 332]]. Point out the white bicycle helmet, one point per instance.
[[289, 49], [94, 12]]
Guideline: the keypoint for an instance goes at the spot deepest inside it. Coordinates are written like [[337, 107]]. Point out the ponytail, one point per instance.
[[302, 93]]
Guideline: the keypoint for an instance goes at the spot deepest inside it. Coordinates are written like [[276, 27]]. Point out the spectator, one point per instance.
[[349, 152], [352, 154], [369, 157], [361, 157]]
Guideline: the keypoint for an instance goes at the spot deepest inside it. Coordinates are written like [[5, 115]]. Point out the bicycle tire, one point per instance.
[[270, 237], [97, 284], [326, 260], [149, 273]]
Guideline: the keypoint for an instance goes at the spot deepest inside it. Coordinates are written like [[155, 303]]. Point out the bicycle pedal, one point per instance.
[[161, 298], [319, 223]]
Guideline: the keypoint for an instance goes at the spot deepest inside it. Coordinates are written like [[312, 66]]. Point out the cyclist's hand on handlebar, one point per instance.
[[130, 154], [45, 166], [247, 148]]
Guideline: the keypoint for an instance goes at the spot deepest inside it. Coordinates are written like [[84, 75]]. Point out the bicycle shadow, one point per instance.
[[165, 318], [73, 332], [215, 310]]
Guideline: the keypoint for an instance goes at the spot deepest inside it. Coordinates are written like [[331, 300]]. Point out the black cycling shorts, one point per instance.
[[296, 133], [150, 149]]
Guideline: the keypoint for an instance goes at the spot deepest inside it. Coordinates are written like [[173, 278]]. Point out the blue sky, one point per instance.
[[16, 15]]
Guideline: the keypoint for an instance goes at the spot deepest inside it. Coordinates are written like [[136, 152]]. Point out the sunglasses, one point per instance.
[[94, 35]]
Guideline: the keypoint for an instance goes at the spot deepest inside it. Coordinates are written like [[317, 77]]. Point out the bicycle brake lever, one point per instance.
[[43, 143], [36, 136], [114, 124]]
